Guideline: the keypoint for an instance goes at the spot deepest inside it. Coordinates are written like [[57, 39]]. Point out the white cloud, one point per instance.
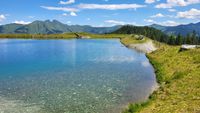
[[173, 3], [69, 22], [150, 1], [159, 15], [191, 14], [65, 14], [67, 2], [31, 17], [2, 17], [171, 16], [169, 23], [165, 23], [172, 10], [116, 22], [88, 19], [149, 20], [21, 22], [73, 14], [110, 6], [70, 14], [94, 6], [66, 9]]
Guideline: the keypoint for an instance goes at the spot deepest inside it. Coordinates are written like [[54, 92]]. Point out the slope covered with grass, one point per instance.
[[179, 76]]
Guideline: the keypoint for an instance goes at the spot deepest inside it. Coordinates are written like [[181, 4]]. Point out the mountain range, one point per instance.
[[182, 29], [52, 27], [55, 27]]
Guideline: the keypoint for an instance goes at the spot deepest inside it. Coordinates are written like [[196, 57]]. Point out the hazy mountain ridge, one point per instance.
[[52, 27], [182, 29]]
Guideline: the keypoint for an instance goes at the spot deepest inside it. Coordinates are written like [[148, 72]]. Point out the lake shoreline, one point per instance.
[[144, 46], [177, 77], [118, 49], [165, 75]]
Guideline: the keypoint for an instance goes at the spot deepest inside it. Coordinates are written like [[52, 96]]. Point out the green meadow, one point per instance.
[[178, 75]]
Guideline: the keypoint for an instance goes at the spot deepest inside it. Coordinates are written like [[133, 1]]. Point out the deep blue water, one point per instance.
[[71, 76]]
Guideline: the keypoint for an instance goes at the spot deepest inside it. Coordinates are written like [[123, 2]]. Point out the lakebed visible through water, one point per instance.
[[71, 76]]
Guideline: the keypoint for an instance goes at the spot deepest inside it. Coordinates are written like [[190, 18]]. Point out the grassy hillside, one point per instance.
[[179, 76], [61, 36]]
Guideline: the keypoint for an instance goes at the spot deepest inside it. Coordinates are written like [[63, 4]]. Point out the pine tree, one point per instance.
[[194, 38], [171, 40], [179, 39], [188, 39]]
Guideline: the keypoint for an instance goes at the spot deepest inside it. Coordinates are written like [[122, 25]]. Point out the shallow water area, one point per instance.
[[71, 76]]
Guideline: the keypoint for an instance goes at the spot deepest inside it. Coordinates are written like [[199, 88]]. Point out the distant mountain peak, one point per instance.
[[52, 27], [47, 21], [183, 29]]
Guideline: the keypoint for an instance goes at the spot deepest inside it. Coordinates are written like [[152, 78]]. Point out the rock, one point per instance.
[[188, 47], [147, 47]]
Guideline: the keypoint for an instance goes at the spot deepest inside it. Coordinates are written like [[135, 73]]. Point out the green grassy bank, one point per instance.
[[178, 74], [60, 36]]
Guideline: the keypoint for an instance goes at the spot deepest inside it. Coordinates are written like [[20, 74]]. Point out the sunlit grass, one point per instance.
[[131, 39], [61, 36], [179, 76]]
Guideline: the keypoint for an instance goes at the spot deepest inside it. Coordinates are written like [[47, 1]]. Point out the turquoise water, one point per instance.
[[71, 76]]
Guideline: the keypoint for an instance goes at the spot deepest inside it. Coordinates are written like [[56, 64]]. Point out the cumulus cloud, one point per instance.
[[2, 17], [172, 10], [165, 23], [21, 22], [173, 3], [31, 17], [88, 19], [66, 9], [159, 15], [69, 22], [110, 6], [116, 22], [169, 23], [73, 14], [67, 2], [149, 21], [70, 14], [150, 1], [191, 14], [65, 14]]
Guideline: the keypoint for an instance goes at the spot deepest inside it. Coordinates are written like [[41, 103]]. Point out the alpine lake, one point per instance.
[[72, 76]]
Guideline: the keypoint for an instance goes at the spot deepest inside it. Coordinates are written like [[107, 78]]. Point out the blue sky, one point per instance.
[[101, 12]]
